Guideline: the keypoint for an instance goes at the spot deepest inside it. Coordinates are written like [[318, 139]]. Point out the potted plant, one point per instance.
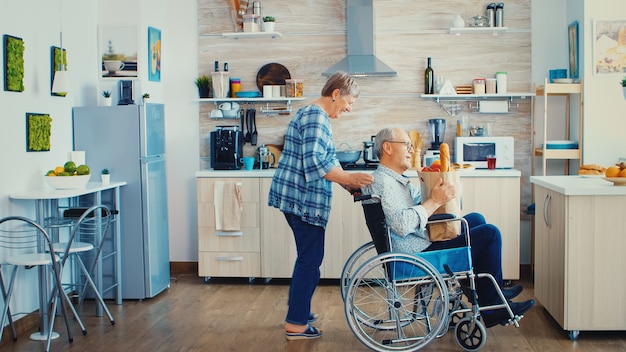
[[623, 83], [107, 97], [145, 97], [105, 176], [268, 23], [204, 86]]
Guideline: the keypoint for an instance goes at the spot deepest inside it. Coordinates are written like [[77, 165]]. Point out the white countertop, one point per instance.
[[47, 192], [578, 185], [268, 173]]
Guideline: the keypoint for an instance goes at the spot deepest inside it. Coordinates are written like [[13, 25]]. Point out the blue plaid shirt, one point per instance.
[[298, 186]]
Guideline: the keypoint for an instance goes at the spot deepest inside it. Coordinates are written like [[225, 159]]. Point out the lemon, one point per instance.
[[70, 166], [59, 169], [83, 170]]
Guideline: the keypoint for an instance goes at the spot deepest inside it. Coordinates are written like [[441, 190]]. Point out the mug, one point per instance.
[[248, 162], [113, 65], [229, 106], [216, 114]]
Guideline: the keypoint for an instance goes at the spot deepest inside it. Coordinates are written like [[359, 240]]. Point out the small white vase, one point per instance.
[[105, 179], [624, 91], [268, 26], [107, 101]]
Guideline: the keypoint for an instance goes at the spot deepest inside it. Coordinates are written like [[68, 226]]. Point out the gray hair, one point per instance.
[[345, 83], [384, 135]]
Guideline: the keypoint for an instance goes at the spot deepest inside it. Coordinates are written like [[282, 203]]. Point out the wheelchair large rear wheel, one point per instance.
[[396, 302], [356, 259]]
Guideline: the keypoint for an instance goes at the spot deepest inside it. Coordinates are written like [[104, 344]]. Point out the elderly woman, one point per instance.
[[302, 190]]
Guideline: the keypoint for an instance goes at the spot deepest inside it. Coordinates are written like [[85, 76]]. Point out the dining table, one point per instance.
[[48, 203]]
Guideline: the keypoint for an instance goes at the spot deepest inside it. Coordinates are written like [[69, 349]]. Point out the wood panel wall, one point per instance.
[[406, 33]]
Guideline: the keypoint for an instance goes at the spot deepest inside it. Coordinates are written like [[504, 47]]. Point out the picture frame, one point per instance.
[[56, 55], [38, 132], [609, 46], [13, 55], [118, 48], [572, 36], [154, 54]]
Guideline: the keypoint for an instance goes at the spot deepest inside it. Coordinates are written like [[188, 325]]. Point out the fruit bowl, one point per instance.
[[617, 181], [67, 182]]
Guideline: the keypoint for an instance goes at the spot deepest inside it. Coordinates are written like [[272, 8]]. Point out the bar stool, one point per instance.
[[88, 233], [28, 245]]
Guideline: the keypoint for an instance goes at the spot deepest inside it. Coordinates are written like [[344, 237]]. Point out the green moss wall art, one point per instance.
[[13, 64], [38, 131]]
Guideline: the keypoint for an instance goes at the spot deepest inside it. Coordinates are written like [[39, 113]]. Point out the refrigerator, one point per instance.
[[129, 141]]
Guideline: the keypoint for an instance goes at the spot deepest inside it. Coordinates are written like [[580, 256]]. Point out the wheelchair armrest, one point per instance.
[[439, 217]]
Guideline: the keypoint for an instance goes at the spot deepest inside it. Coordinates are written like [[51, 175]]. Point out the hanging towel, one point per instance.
[[228, 203]]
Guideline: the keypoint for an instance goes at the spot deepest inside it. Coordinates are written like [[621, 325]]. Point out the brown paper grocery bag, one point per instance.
[[449, 230]]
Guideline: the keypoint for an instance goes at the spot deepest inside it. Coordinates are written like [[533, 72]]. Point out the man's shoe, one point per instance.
[[501, 316], [512, 292]]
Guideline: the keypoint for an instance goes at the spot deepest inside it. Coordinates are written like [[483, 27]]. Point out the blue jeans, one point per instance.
[[486, 243], [306, 271]]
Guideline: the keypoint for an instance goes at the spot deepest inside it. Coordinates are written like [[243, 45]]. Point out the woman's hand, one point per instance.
[[359, 180]]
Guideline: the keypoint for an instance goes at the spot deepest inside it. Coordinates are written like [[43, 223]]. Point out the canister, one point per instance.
[[251, 23], [479, 86], [235, 86], [491, 85], [294, 88], [501, 82], [500, 15]]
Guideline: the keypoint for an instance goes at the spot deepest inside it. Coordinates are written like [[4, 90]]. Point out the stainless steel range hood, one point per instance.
[[361, 60]]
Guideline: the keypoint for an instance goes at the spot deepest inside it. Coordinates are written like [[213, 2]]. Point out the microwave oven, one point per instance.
[[474, 150]]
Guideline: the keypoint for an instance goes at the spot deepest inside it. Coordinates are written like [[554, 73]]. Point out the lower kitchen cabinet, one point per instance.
[[229, 253], [498, 199], [579, 259], [265, 247], [346, 231]]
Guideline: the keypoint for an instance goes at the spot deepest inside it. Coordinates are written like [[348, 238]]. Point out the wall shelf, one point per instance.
[[478, 30], [266, 109], [237, 35], [451, 104]]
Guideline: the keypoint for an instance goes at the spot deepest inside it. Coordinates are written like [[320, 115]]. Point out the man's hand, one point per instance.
[[441, 194]]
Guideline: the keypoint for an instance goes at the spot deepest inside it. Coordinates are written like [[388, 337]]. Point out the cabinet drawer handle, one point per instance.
[[229, 233], [229, 259]]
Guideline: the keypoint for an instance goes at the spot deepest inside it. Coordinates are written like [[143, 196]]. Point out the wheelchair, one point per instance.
[[401, 302]]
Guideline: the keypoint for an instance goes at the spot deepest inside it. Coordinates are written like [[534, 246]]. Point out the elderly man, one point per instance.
[[406, 215]]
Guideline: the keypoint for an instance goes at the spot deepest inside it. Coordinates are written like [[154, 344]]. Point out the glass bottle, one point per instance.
[[429, 79]]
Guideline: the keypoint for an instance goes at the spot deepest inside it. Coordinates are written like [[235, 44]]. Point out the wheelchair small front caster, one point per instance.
[[573, 334], [471, 334]]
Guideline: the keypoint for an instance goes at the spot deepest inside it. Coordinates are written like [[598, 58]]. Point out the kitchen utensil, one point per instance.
[[277, 151], [265, 157], [253, 126], [369, 152], [242, 120], [248, 136], [272, 74]]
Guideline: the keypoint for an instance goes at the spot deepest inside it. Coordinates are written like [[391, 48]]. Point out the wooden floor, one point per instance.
[[233, 315]]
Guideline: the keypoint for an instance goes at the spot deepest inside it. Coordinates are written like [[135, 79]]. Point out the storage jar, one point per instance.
[[479, 86], [501, 82]]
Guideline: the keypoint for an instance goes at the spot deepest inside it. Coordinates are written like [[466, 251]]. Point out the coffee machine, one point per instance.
[[437, 129], [226, 148]]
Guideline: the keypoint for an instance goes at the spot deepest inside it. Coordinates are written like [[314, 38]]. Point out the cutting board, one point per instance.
[[272, 74]]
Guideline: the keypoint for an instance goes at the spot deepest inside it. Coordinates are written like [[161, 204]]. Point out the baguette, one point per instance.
[[591, 169], [444, 157]]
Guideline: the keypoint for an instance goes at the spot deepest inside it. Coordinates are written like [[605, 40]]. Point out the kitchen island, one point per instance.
[[264, 247], [579, 252]]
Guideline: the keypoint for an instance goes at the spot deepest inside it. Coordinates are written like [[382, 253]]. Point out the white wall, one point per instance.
[[38, 23]]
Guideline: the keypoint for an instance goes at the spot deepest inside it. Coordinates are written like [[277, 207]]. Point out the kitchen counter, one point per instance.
[[411, 173], [578, 185]]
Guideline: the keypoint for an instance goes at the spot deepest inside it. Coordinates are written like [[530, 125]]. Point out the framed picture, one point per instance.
[[154, 54], [609, 46], [13, 63], [57, 58], [118, 50], [38, 131], [572, 36]]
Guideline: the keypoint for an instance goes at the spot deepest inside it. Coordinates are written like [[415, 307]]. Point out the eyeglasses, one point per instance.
[[409, 145]]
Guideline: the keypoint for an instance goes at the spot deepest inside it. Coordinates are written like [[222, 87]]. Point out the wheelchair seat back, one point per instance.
[[375, 221]]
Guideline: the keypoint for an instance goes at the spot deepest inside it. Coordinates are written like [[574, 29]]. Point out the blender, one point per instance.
[[437, 129]]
